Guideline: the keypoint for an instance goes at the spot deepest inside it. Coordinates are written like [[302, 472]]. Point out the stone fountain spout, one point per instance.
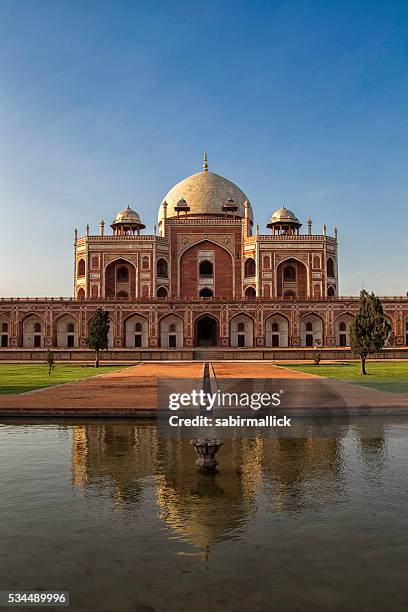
[[207, 449]]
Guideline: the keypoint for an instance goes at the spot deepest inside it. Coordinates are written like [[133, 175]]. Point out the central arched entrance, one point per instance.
[[206, 331]]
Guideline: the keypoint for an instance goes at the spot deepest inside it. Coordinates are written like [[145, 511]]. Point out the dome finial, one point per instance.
[[205, 163]]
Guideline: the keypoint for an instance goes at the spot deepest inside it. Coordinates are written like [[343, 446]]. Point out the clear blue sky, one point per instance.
[[105, 104]]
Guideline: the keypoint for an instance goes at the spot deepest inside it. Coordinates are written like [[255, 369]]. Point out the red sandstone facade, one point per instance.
[[204, 278]]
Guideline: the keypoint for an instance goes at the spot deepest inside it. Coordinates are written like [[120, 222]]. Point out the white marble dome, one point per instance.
[[205, 194], [127, 216], [283, 215]]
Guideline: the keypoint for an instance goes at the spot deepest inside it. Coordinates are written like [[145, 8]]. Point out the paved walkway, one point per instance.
[[127, 391], [133, 391], [307, 393]]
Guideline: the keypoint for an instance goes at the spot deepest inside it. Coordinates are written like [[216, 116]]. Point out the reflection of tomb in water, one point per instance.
[[290, 464], [119, 460], [113, 459], [203, 508]]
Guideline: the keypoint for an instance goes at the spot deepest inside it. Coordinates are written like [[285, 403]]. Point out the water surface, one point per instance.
[[121, 518]]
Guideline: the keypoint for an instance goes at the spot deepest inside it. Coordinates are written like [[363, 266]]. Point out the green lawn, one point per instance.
[[382, 375], [17, 378]]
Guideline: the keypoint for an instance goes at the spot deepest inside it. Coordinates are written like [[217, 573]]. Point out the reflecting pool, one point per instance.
[[120, 517]]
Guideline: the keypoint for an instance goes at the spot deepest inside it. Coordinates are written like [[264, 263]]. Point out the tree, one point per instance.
[[98, 332], [50, 361], [369, 330]]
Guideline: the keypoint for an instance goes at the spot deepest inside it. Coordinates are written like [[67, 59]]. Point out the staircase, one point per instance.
[[207, 355]]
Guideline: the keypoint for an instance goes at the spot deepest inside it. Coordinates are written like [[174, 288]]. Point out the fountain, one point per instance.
[[207, 449]]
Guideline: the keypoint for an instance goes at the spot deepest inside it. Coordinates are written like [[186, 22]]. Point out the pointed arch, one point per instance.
[[64, 335], [242, 328], [311, 330], [136, 330], [276, 330]]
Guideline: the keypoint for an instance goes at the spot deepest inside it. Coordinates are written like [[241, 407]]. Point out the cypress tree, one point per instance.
[[369, 330], [98, 332]]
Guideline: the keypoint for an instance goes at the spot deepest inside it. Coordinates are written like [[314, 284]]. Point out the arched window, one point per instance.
[[81, 293], [250, 267], [70, 328], [161, 268], [172, 327], [162, 292], [342, 326], [138, 327], [330, 267], [206, 268], [250, 292], [330, 291], [122, 294], [145, 263], [275, 327], [81, 268], [37, 328], [4, 339], [309, 326], [241, 327], [289, 273], [206, 293], [122, 274]]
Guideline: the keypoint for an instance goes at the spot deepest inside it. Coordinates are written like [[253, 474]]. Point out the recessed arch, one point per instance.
[[295, 283], [276, 330], [81, 293], [249, 267], [330, 267], [206, 328], [31, 328], [171, 328], [4, 331], [136, 331], [342, 328], [188, 285], [81, 267], [242, 331], [66, 330], [206, 292], [250, 292], [311, 330], [162, 292], [162, 268], [116, 281]]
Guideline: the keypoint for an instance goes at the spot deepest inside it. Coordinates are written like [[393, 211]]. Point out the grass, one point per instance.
[[18, 378], [382, 375]]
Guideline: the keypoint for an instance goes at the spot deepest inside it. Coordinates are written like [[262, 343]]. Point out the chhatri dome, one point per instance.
[[205, 194], [284, 218], [128, 222], [128, 217]]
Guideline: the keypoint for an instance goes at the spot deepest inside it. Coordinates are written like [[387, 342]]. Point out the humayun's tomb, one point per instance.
[[205, 283]]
